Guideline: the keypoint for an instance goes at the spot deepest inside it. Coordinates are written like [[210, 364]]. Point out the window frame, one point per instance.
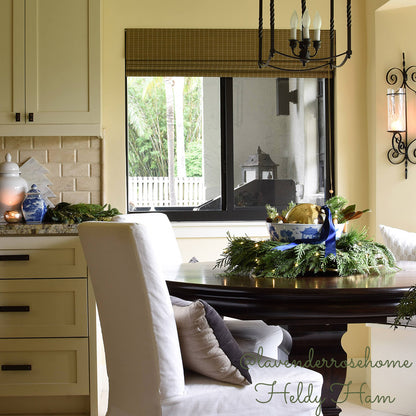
[[228, 211]]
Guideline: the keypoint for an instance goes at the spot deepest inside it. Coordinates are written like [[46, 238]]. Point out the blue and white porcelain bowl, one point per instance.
[[287, 232]]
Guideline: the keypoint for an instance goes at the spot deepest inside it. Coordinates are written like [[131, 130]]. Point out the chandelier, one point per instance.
[[304, 49]]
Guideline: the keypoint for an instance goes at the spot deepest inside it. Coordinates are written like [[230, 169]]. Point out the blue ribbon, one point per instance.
[[326, 236]]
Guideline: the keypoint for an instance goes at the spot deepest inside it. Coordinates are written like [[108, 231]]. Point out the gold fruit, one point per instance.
[[305, 214]]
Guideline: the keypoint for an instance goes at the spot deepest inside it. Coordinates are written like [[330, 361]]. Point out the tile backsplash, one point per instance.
[[74, 164]]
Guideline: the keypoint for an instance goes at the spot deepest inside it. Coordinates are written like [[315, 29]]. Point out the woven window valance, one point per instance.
[[211, 52]]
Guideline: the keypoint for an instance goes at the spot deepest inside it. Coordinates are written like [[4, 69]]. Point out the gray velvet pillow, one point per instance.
[[207, 346]]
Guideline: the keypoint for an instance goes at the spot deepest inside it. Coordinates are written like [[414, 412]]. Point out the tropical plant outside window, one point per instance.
[[177, 159]]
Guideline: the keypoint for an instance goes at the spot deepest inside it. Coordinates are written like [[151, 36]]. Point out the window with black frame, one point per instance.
[[221, 148]]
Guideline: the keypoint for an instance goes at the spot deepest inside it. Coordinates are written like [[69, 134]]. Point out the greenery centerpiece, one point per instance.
[[355, 252], [65, 213]]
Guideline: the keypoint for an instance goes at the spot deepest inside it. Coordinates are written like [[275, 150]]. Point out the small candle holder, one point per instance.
[[13, 216]]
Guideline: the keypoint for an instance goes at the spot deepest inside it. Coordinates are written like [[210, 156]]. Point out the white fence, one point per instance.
[[154, 191]]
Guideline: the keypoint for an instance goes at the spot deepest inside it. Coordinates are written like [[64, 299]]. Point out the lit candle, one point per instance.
[[317, 23], [12, 216], [293, 25], [396, 103], [306, 22]]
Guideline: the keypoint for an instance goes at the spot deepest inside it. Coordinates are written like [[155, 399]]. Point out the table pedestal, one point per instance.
[[319, 347]]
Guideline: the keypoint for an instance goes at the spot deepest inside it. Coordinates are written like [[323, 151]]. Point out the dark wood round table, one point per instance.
[[315, 310]]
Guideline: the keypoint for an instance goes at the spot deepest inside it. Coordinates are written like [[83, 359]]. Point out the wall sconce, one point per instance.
[[284, 96], [401, 150]]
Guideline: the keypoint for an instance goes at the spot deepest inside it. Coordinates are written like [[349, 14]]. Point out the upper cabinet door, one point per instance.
[[12, 58], [51, 71], [62, 61]]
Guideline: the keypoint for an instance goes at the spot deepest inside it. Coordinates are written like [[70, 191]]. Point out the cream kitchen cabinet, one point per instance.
[[47, 333], [50, 68]]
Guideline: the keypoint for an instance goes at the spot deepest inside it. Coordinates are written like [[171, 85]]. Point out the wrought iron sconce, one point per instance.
[[400, 151], [305, 49]]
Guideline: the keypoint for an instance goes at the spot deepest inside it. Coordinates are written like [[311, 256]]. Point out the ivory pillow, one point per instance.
[[400, 242], [207, 346]]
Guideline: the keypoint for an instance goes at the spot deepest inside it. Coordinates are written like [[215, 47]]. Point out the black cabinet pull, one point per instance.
[[31, 117], [14, 257], [16, 367], [17, 117], [14, 308]]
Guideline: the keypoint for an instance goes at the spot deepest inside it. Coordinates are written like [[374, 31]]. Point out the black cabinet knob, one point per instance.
[[31, 117], [17, 117]]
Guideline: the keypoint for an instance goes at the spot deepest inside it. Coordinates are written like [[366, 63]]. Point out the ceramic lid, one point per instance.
[[8, 166], [34, 190]]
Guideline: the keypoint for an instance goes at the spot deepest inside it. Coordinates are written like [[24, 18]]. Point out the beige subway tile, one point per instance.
[[54, 170], [75, 169], [88, 184], [88, 156], [39, 155], [95, 197], [76, 197], [62, 184], [47, 142], [17, 143], [95, 169], [61, 156], [75, 142], [95, 143]]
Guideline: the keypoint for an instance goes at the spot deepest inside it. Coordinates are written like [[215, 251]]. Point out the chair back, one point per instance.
[[143, 357], [162, 238]]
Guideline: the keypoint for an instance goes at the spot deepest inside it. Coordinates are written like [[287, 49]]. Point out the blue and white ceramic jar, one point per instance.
[[33, 206]]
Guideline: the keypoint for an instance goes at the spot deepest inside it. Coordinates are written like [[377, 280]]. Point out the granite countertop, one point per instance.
[[21, 229]]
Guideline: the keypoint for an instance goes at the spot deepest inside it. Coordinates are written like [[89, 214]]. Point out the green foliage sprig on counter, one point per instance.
[[356, 254], [65, 213]]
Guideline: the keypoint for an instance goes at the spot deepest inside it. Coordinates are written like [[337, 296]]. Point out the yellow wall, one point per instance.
[[351, 125], [395, 197]]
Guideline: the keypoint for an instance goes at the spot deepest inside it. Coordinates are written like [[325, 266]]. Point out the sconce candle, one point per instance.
[[13, 216], [396, 109]]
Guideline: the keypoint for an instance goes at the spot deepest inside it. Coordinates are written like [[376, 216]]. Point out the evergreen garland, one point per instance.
[[407, 307], [356, 254]]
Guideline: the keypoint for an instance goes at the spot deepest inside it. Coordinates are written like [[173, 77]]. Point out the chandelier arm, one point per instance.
[[295, 70], [347, 56], [311, 59]]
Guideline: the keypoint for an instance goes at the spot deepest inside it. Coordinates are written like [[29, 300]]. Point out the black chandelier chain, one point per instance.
[[305, 54]]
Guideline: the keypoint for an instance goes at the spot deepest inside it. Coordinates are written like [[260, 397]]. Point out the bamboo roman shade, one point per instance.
[[211, 52]]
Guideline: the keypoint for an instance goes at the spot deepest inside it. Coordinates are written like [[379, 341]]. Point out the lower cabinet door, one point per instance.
[[44, 367], [38, 308]]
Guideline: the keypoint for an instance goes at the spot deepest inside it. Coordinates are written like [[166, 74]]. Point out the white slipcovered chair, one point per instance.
[[143, 354], [275, 341]]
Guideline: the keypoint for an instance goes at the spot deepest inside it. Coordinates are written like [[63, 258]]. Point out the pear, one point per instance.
[[305, 214]]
